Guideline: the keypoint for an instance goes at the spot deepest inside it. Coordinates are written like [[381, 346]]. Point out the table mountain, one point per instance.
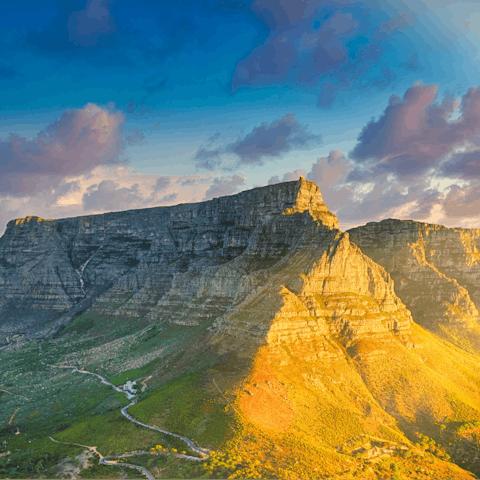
[[300, 335]]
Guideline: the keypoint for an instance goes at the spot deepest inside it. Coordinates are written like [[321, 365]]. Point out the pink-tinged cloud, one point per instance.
[[416, 134], [273, 139], [108, 196], [222, 186], [465, 166], [86, 26], [356, 203], [288, 177], [462, 202], [77, 142]]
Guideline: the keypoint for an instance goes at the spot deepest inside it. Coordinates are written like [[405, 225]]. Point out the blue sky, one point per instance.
[[112, 104]]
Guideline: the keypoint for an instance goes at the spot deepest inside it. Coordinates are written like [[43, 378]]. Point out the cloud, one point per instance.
[[171, 197], [108, 196], [208, 159], [464, 166], [86, 26], [264, 142], [288, 177], [138, 138], [71, 32], [77, 142], [222, 186], [273, 140], [162, 184], [368, 198], [416, 135], [462, 202], [105, 188], [192, 180], [337, 44]]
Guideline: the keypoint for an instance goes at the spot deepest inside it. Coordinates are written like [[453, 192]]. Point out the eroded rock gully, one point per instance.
[[185, 263], [436, 271]]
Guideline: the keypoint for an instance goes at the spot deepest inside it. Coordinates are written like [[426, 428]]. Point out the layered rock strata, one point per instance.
[[325, 291], [436, 271], [165, 262]]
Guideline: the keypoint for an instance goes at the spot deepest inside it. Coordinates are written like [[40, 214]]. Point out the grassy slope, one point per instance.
[[303, 423]]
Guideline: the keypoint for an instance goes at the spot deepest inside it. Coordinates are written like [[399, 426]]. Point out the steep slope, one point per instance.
[[123, 263], [436, 272], [337, 358]]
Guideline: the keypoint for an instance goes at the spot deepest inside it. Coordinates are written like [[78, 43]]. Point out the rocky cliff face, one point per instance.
[[436, 271], [152, 262]]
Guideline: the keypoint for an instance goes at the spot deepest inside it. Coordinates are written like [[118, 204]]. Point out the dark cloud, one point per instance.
[[86, 26], [72, 31], [273, 140], [107, 196], [156, 127], [77, 142], [162, 184], [169, 198], [465, 166], [415, 134], [339, 45], [208, 159], [222, 186]]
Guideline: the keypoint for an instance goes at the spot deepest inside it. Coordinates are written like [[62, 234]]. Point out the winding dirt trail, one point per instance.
[[105, 460]]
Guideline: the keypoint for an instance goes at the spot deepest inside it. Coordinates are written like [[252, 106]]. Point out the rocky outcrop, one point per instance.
[[325, 291], [167, 262], [436, 271]]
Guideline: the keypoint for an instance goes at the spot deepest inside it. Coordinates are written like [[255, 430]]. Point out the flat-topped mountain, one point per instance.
[[256, 328], [125, 262]]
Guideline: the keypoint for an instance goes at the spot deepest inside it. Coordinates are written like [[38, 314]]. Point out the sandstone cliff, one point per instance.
[[436, 271], [134, 263]]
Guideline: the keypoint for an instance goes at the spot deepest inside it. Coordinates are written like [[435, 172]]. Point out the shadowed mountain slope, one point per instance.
[[123, 263]]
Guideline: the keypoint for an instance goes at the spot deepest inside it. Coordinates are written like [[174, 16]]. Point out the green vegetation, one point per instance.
[[129, 375], [186, 409]]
